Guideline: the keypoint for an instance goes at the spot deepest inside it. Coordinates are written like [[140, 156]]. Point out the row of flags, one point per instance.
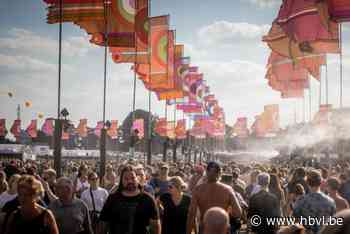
[[48, 129], [268, 122], [148, 43], [302, 34], [265, 124]]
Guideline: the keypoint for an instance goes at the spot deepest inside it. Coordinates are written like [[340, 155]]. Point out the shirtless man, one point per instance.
[[212, 194]]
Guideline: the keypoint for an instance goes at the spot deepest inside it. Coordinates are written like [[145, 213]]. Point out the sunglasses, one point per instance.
[[95, 178]]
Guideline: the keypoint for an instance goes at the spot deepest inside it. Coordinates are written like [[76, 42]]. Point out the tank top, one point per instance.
[[37, 225]]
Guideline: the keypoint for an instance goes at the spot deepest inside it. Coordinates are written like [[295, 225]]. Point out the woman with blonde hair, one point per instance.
[[175, 205], [30, 216]]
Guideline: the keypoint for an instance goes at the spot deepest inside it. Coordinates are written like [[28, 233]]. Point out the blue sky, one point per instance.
[[222, 37]]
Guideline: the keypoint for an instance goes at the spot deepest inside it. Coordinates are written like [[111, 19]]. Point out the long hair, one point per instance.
[[127, 168]]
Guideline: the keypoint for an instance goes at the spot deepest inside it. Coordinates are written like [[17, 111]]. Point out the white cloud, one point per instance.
[[265, 3], [24, 41], [221, 33], [25, 64]]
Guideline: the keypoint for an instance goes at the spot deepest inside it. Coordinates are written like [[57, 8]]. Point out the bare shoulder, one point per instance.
[[225, 187]]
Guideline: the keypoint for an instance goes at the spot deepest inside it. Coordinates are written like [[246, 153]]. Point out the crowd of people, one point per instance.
[[173, 198]]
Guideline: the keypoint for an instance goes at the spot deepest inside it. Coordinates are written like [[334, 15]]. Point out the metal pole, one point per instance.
[[320, 92], [310, 101], [104, 130], [149, 148], [58, 124], [326, 80], [175, 141], [132, 141], [341, 64]]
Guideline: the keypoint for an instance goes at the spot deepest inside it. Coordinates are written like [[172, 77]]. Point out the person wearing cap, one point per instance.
[[315, 204], [210, 194]]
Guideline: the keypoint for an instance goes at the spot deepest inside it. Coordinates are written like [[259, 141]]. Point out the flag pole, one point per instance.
[[341, 64], [320, 91], [58, 123], [149, 143], [175, 140], [310, 100], [132, 135], [104, 130], [326, 79]]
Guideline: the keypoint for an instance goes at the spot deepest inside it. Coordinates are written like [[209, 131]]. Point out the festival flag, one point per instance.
[[138, 53], [257, 129], [100, 125], [161, 127], [322, 117], [170, 130], [82, 128], [179, 72], [139, 126], [113, 130], [3, 130], [270, 118], [339, 10], [65, 135], [180, 129], [286, 69], [199, 129], [279, 42], [48, 127], [75, 10], [32, 129], [16, 128], [240, 128], [158, 75]]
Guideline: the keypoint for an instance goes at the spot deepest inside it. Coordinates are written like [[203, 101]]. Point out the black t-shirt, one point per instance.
[[174, 217], [266, 205], [129, 215]]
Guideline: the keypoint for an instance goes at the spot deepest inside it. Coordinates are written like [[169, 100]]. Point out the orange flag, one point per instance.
[[82, 128], [113, 130]]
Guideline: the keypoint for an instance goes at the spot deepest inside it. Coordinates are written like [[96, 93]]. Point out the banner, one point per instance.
[[48, 127], [3, 127], [98, 128], [113, 130], [139, 126], [32, 129], [82, 128], [180, 129], [240, 128], [16, 128]]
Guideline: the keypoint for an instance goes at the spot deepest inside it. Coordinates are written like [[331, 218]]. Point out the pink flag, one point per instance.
[[31, 129], [98, 128], [47, 127], [139, 125], [16, 128]]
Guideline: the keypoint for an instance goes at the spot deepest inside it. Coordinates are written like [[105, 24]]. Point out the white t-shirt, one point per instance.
[[5, 197], [100, 197], [80, 184]]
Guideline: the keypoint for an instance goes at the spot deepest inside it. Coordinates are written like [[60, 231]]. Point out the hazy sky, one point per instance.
[[222, 37]]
